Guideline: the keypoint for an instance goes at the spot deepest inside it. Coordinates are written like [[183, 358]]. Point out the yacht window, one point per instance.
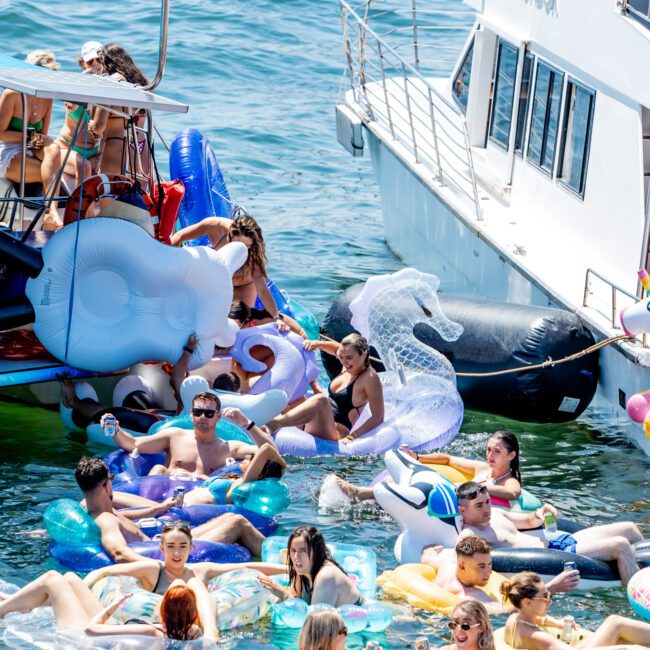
[[542, 139], [524, 94], [460, 88], [576, 132], [504, 93]]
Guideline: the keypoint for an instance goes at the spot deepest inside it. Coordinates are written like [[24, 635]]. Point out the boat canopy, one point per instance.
[[81, 88]]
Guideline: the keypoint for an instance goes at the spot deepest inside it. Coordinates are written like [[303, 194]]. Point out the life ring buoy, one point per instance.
[[93, 189]]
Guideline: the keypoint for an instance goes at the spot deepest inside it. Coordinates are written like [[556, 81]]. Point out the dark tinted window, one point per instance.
[[504, 93]]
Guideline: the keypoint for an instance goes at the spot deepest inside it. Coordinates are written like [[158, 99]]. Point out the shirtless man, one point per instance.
[[473, 568], [118, 530], [502, 530], [198, 451]]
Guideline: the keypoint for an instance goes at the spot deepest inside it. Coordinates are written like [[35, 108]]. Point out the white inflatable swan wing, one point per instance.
[[134, 298]]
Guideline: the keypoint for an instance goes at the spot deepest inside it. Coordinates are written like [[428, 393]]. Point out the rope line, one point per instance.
[[549, 363]]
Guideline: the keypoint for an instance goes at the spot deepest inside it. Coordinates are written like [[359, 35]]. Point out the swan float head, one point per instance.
[[127, 298]]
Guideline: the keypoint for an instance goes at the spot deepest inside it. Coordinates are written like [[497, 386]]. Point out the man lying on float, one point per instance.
[[198, 451], [118, 530], [473, 568], [503, 529]]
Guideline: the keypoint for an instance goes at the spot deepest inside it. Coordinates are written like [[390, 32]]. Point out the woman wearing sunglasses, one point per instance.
[[526, 629], [175, 544], [325, 630], [470, 627]]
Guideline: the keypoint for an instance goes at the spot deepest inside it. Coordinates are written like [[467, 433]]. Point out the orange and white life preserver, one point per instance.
[[93, 189]]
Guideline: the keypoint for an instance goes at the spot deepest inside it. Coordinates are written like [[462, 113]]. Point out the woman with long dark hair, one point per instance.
[[314, 575], [249, 282], [500, 471]]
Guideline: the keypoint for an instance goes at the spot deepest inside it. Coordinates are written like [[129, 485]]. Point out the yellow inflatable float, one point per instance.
[[415, 584], [579, 634]]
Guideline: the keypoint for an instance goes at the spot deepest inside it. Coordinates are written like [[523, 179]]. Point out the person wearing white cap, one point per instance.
[[90, 57], [42, 155]]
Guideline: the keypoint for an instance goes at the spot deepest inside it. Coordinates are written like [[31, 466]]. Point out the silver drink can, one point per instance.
[[178, 495], [570, 566]]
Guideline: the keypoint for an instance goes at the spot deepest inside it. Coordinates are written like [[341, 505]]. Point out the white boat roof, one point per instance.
[[83, 89]]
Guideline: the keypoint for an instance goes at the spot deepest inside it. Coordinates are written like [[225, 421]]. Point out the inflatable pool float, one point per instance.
[[372, 616], [497, 336], [293, 369], [96, 306], [579, 634], [525, 503], [77, 541], [423, 503], [359, 562], [638, 593], [415, 584], [239, 596]]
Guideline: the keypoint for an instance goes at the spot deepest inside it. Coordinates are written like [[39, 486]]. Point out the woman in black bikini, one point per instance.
[[314, 575], [332, 416], [250, 281]]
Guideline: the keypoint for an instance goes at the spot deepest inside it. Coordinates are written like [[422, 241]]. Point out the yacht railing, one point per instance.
[[637, 9], [615, 292], [395, 93]]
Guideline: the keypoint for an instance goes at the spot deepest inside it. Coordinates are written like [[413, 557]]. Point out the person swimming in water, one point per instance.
[[332, 416], [314, 575], [249, 282]]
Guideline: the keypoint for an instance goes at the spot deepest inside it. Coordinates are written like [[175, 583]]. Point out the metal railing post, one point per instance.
[[441, 179], [470, 161], [23, 162], [410, 112], [415, 34], [383, 82]]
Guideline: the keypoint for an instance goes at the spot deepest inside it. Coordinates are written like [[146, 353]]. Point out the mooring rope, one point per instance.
[[545, 364]]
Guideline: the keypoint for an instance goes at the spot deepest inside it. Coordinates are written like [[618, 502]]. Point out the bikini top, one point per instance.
[[163, 583], [80, 113], [16, 124]]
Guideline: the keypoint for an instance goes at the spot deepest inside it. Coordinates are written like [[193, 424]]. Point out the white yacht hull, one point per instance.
[[428, 230]]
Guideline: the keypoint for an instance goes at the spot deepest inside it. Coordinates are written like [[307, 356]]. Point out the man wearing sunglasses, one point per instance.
[[198, 451], [118, 529], [473, 568], [503, 529]]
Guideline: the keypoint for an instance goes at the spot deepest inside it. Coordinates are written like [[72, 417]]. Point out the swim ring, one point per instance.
[[239, 596], [579, 634], [77, 541], [415, 584], [192, 161]]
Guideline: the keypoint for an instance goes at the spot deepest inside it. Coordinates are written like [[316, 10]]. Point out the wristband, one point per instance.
[[188, 349], [250, 425]]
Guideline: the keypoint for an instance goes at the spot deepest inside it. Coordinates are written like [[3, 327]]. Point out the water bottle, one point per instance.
[[567, 629], [550, 522], [110, 426]]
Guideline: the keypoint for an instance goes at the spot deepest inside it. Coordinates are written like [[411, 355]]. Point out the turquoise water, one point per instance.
[[262, 78]]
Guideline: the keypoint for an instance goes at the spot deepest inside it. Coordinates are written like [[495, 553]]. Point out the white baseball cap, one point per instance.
[[90, 50]]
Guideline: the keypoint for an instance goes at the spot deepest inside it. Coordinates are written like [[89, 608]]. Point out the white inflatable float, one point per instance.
[[109, 296]]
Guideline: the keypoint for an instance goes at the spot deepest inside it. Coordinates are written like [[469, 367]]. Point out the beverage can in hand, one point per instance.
[[110, 426], [422, 643], [570, 566], [372, 645], [550, 522], [179, 496]]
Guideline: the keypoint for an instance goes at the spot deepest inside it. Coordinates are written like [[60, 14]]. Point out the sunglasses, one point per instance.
[[547, 597], [463, 626], [470, 496], [209, 413], [343, 631], [183, 526]]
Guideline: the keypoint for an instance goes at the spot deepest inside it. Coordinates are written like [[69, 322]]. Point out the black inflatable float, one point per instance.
[[499, 336]]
